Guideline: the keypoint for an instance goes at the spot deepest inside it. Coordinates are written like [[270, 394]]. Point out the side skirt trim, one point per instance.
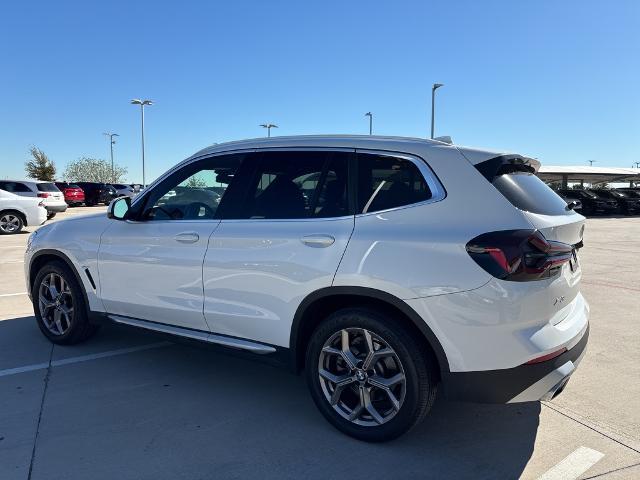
[[231, 342]]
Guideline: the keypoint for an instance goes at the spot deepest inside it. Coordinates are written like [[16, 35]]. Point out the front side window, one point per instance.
[[386, 182], [194, 192], [297, 184]]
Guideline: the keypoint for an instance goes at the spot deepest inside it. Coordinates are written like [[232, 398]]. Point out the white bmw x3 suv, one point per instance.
[[383, 267]]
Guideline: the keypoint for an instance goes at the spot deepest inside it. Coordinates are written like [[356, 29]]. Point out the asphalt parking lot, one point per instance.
[[130, 405]]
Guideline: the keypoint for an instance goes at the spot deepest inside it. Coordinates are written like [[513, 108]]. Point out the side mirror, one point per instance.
[[118, 208]]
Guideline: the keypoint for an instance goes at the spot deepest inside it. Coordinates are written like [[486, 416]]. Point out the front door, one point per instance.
[[150, 267], [283, 241]]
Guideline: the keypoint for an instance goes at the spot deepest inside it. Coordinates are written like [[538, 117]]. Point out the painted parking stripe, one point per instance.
[[82, 358], [573, 465], [12, 294]]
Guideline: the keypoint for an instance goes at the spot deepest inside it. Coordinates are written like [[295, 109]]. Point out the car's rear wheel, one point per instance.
[[10, 222], [50, 215], [368, 376], [59, 306]]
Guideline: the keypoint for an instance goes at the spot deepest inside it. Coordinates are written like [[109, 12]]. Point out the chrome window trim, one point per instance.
[[437, 189], [438, 193]]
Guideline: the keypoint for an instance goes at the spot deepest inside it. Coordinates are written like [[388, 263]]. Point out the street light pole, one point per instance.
[[591, 162], [142, 103], [268, 126], [433, 105], [111, 143], [370, 115]]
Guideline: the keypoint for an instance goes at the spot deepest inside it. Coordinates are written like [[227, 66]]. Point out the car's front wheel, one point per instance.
[[59, 306], [368, 376]]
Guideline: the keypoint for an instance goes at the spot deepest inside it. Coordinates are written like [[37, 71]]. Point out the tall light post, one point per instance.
[[142, 103], [111, 144], [268, 126], [433, 104], [637, 164], [370, 115], [591, 162]]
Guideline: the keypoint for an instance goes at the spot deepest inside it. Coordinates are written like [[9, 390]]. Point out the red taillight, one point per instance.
[[44, 195], [546, 357], [518, 255]]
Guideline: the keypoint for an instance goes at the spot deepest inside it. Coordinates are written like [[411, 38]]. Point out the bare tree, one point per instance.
[[40, 167], [87, 169]]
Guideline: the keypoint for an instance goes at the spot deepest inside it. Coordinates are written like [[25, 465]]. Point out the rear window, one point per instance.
[[527, 192], [47, 187]]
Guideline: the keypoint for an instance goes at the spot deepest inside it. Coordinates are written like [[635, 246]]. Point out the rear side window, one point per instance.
[[386, 182], [297, 184], [14, 187], [46, 187], [527, 192]]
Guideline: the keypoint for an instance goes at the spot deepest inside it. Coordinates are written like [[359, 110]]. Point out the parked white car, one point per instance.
[[18, 212], [52, 197], [380, 266], [124, 190]]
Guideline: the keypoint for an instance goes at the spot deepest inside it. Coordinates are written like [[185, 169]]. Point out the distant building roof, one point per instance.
[[550, 173]]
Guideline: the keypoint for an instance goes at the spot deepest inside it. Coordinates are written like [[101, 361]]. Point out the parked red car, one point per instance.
[[73, 194]]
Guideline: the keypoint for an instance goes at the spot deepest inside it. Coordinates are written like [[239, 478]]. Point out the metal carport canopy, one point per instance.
[[552, 173]]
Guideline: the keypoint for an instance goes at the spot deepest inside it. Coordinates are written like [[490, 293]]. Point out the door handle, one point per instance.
[[187, 237], [318, 241]]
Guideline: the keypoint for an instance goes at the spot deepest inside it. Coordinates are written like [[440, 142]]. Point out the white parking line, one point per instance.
[[12, 294], [574, 465], [82, 358], [12, 261]]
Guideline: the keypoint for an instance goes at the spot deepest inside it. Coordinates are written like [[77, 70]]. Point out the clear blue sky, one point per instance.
[[558, 80]]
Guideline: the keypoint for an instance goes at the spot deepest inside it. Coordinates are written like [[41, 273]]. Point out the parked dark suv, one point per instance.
[[628, 203], [95, 193], [573, 201], [592, 203]]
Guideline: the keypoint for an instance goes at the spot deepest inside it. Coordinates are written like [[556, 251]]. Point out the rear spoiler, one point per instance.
[[502, 164]]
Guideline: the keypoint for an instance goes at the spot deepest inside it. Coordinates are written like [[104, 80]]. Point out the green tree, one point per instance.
[[195, 181], [87, 169], [40, 167]]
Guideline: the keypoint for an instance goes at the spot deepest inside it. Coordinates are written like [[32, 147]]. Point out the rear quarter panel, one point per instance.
[[419, 251]]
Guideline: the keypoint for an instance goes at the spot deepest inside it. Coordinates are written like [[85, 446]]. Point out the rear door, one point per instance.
[[283, 240]]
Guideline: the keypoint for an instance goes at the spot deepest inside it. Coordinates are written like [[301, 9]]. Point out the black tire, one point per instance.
[[50, 215], [12, 222], [419, 371], [80, 328]]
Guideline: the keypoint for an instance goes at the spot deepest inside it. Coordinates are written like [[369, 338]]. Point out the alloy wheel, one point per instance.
[[9, 223], [362, 377], [55, 303]]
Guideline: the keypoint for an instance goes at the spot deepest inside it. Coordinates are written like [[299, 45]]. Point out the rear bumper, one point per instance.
[[525, 383], [56, 208]]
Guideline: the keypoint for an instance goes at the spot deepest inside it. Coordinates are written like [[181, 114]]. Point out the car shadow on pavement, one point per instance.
[[185, 412]]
